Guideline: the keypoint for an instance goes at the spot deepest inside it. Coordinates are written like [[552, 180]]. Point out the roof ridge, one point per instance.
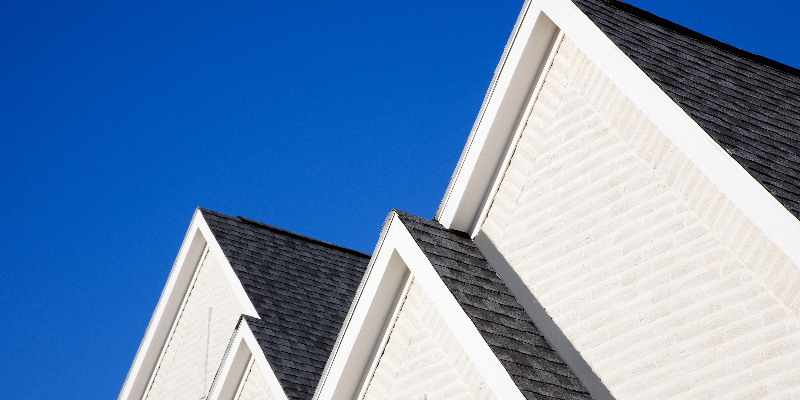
[[284, 231], [722, 46]]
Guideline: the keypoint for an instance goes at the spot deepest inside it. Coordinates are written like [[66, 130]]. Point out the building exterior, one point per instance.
[[623, 223]]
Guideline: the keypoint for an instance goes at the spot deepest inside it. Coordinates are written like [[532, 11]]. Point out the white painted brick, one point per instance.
[[423, 358], [255, 386], [704, 392], [788, 345], [787, 395], [656, 279], [788, 380], [732, 382], [654, 275], [755, 391], [180, 374], [772, 368]]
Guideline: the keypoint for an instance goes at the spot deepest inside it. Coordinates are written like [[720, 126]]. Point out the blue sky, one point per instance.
[[117, 119]]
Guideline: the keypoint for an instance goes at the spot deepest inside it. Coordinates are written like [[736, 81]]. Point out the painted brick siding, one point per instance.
[[255, 386], [661, 283], [182, 373], [422, 357]]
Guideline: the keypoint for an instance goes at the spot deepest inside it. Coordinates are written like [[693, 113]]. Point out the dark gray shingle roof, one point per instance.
[[536, 368], [302, 289], [748, 104]]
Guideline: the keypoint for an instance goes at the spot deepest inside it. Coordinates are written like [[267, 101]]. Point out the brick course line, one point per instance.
[[255, 386], [661, 283], [182, 372], [423, 358]]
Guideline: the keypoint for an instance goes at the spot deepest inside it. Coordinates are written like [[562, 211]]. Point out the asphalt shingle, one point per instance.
[[536, 368], [301, 288], [748, 104]]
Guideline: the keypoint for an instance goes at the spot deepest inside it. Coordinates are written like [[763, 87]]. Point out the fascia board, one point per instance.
[[760, 206], [357, 315], [465, 332], [263, 364], [514, 79], [399, 240], [243, 343], [169, 304], [227, 269], [512, 144], [158, 330], [443, 212], [638, 87], [763, 209], [384, 339], [223, 376]]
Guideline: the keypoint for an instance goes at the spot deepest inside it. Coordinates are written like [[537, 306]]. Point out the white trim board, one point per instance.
[[499, 118], [471, 184], [482, 111], [512, 144], [243, 350], [197, 238], [243, 381], [349, 366], [176, 319], [387, 331]]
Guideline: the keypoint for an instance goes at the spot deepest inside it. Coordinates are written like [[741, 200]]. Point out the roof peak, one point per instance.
[[680, 29]]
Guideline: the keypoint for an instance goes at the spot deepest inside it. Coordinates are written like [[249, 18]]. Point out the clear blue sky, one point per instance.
[[117, 119]]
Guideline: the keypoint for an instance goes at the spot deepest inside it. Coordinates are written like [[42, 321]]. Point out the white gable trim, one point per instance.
[[512, 144], [398, 249], [460, 209], [243, 350], [365, 323], [384, 339], [176, 319], [197, 241], [499, 117]]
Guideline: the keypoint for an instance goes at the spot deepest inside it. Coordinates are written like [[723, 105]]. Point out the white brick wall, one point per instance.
[[255, 386], [660, 282], [181, 372], [422, 358]]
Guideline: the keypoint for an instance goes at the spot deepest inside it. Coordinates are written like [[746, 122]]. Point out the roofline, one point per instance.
[[284, 231], [372, 311], [541, 318], [243, 351], [667, 24], [514, 79], [198, 242], [461, 210], [356, 299], [492, 85], [192, 252]]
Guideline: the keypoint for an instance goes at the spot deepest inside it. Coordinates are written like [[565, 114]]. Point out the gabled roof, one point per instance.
[[301, 288], [535, 367], [748, 104]]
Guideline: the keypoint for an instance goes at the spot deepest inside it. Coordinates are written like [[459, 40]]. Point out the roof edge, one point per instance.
[[499, 287], [516, 79], [243, 352], [680, 29], [284, 231], [486, 98], [193, 251]]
